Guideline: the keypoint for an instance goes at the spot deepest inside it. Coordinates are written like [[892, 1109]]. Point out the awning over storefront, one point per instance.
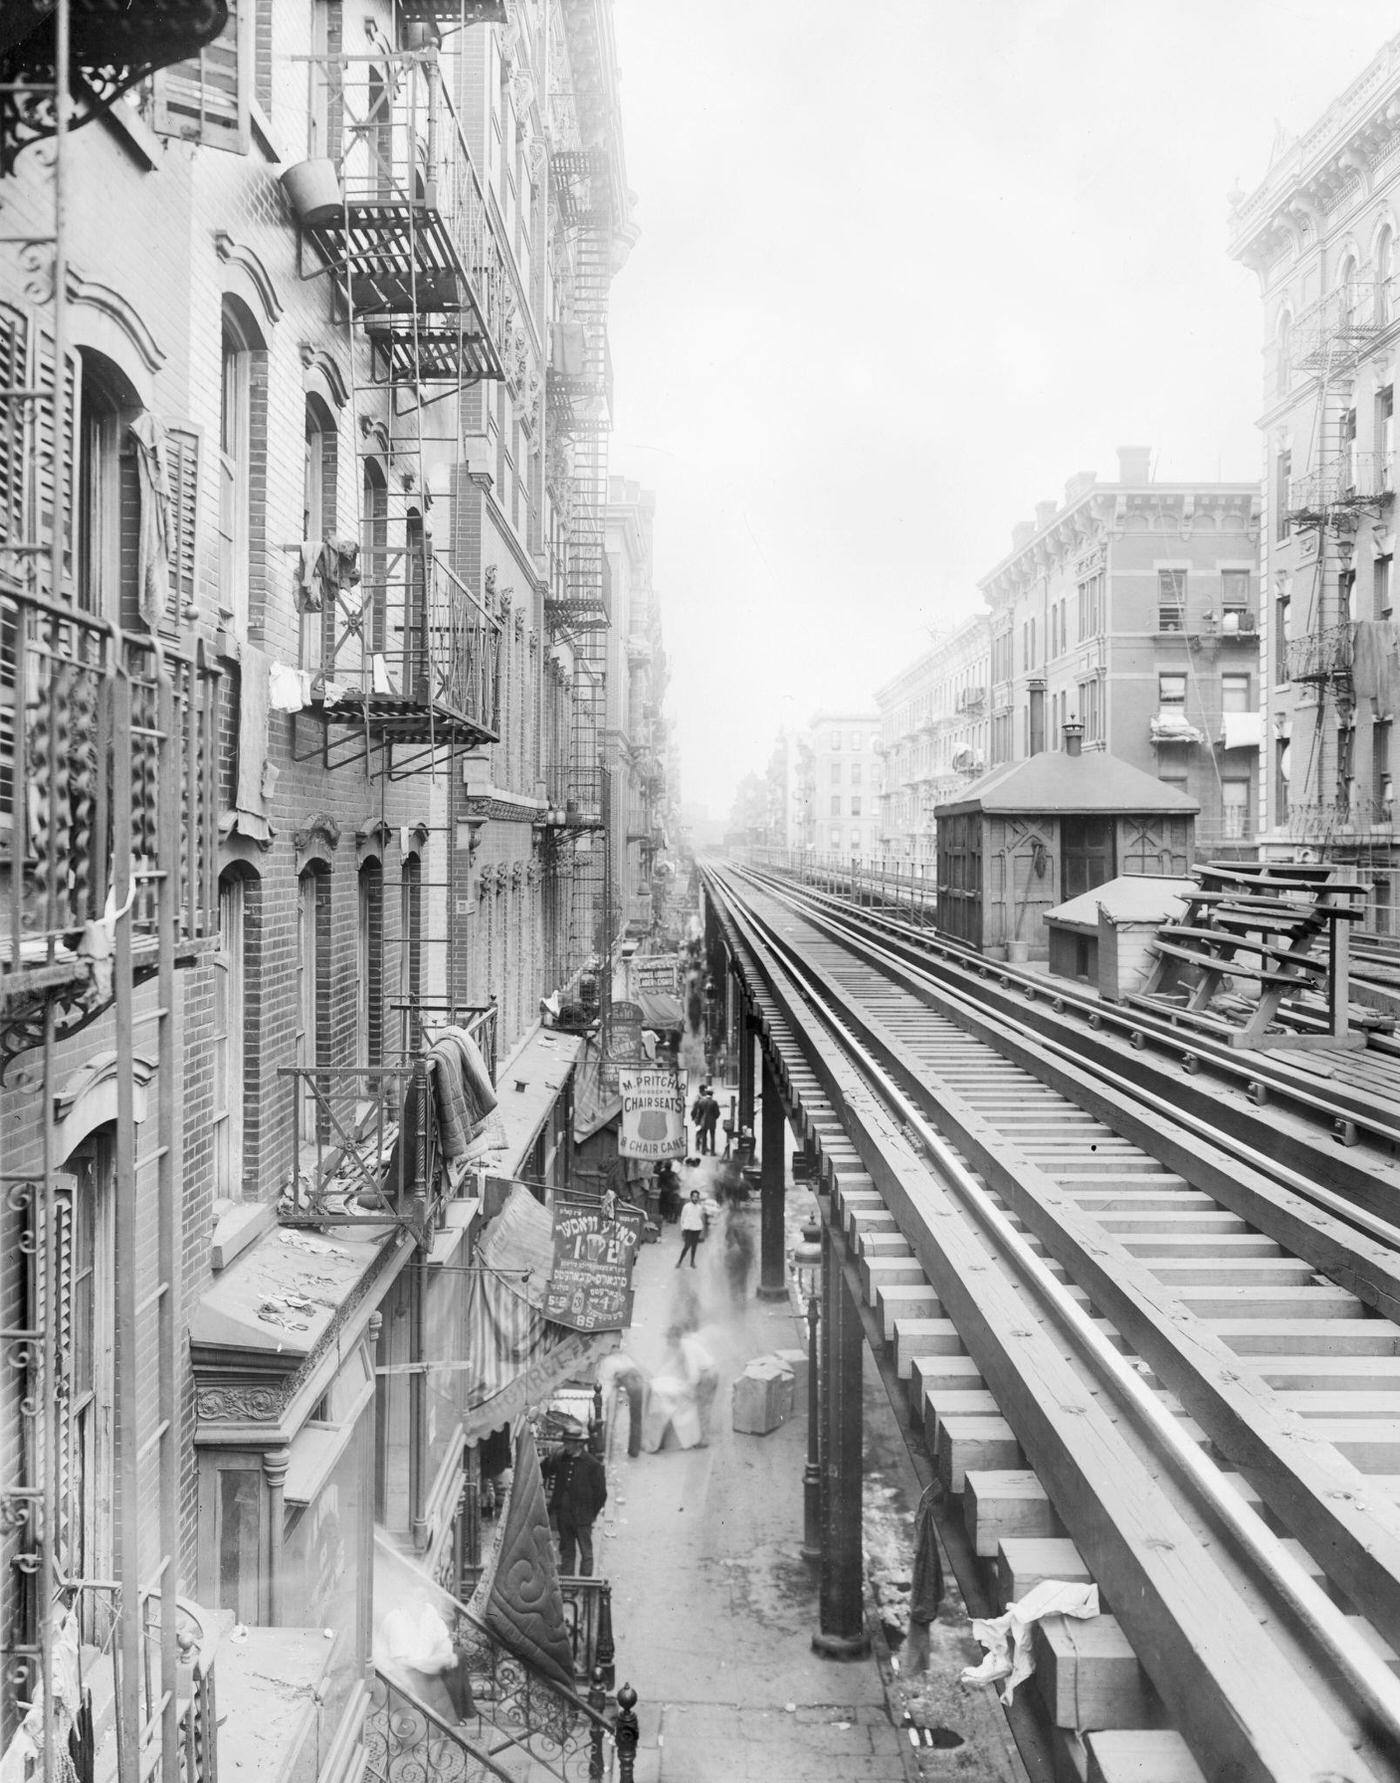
[[515, 1356], [660, 1010], [528, 1085]]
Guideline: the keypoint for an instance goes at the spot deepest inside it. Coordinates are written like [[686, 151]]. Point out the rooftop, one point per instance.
[[1059, 784]]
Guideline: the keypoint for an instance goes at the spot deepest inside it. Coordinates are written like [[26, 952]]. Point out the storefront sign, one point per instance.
[[625, 1033], [595, 1244], [656, 972], [653, 1113]]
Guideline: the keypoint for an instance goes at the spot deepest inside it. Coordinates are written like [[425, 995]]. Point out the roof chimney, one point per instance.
[[1134, 464], [1074, 736], [1045, 512], [1021, 534], [1078, 484]]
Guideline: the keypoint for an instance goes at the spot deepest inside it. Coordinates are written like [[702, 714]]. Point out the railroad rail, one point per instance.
[[1139, 1348]]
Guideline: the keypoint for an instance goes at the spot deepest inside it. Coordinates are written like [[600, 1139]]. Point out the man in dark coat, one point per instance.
[[580, 1492], [705, 1114]]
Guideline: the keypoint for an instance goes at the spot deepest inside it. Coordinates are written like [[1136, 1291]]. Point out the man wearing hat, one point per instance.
[[705, 1114], [580, 1492]]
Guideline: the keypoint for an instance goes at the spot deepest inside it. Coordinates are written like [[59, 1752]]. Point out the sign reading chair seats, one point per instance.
[[595, 1245], [653, 1113]]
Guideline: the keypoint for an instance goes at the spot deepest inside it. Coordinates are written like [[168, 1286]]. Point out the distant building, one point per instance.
[[1134, 607], [1320, 234], [933, 737], [840, 784]]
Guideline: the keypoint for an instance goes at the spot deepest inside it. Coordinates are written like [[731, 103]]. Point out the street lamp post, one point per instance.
[[812, 1476]]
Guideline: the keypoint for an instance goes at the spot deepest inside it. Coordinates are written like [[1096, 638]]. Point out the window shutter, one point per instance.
[[51, 481], [204, 99], [14, 418], [182, 475], [50, 1309]]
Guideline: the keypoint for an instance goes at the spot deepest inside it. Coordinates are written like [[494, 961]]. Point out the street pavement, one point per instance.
[[713, 1605]]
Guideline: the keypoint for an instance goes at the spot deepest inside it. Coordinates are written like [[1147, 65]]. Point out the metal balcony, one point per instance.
[[410, 654], [86, 822], [577, 799], [1348, 480], [1322, 654], [411, 242], [1336, 330]]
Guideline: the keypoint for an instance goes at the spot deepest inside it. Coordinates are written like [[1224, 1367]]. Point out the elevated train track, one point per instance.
[[1147, 1323]]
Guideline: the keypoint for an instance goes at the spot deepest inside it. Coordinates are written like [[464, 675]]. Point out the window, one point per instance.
[[1234, 694], [836, 804], [1349, 450], [1171, 694], [855, 807], [1282, 610], [1346, 595], [1385, 255], [205, 98], [1346, 768], [411, 929], [855, 773], [1282, 762], [1380, 588], [319, 478], [313, 992], [1171, 600], [1346, 303], [1382, 783], [1091, 710], [1234, 810], [1234, 590], [229, 1024], [836, 773], [1283, 476], [1385, 436], [835, 839], [374, 513], [370, 949], [857, 740], [235, 459], [1090, 607]]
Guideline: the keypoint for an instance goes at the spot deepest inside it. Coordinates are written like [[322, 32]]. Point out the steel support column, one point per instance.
[[772, 1279], [841, 1631], [746, 1070]]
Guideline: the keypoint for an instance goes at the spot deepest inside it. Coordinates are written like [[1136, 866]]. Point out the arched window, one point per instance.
[[231, 1014], [319, 482], [108, 495], [374, 514], [411, 933], [1346, 306], [313, 992], [236, 442], [1284, 362], [371, 963], [1385, 258]]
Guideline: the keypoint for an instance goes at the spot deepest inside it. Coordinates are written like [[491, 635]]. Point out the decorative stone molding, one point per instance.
[[372, 839], [233, 253], [322, 376], [119, 312], [317, 840]]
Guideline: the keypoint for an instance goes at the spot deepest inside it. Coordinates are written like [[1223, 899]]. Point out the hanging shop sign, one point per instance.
[[655, 972], [653, 1113], [595, 1244], [625, 1033]]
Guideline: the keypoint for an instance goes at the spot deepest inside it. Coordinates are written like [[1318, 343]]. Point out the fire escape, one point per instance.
[[1324, 507], [107, 861], [579, 395]]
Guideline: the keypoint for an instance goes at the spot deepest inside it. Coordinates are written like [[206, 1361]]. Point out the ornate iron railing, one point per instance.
[[405, 1742], [1322, 653]]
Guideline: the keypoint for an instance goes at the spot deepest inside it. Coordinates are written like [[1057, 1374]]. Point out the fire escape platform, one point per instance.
[[442, 349], [393, 718]]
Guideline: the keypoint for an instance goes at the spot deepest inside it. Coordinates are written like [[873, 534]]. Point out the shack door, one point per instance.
[[1086, 848]]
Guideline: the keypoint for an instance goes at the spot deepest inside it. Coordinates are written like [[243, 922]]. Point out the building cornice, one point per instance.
[[1103, 509], [1329, 164]]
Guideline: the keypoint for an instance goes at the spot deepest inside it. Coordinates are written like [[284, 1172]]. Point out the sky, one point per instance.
[[904, 267]]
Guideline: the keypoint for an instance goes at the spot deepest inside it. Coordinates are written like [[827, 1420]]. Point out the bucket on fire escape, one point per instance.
[[313, 191]]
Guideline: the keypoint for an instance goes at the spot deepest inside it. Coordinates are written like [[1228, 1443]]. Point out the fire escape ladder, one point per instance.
[[399, 649]]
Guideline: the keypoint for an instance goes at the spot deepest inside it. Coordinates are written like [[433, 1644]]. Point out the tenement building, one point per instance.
[[838, 788], [1320, 234], [634, 754], [933, 738], [1133, 606], [304, 662]]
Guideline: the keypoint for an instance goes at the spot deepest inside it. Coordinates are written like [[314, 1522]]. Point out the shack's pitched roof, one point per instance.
[[1070, 785]]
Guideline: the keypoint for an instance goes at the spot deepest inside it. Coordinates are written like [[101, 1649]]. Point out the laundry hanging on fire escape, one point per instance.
[[153, 534]]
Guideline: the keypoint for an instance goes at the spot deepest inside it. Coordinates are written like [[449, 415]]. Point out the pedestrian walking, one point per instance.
[[705, 1113], [580, 1492], [692, 1228], [619, 1370]]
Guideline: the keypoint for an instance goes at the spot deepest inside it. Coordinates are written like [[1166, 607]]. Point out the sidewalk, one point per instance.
[[713, 1605]]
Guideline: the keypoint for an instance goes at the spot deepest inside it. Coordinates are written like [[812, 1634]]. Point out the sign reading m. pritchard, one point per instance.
[[653, 1113], [595, 1245]]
